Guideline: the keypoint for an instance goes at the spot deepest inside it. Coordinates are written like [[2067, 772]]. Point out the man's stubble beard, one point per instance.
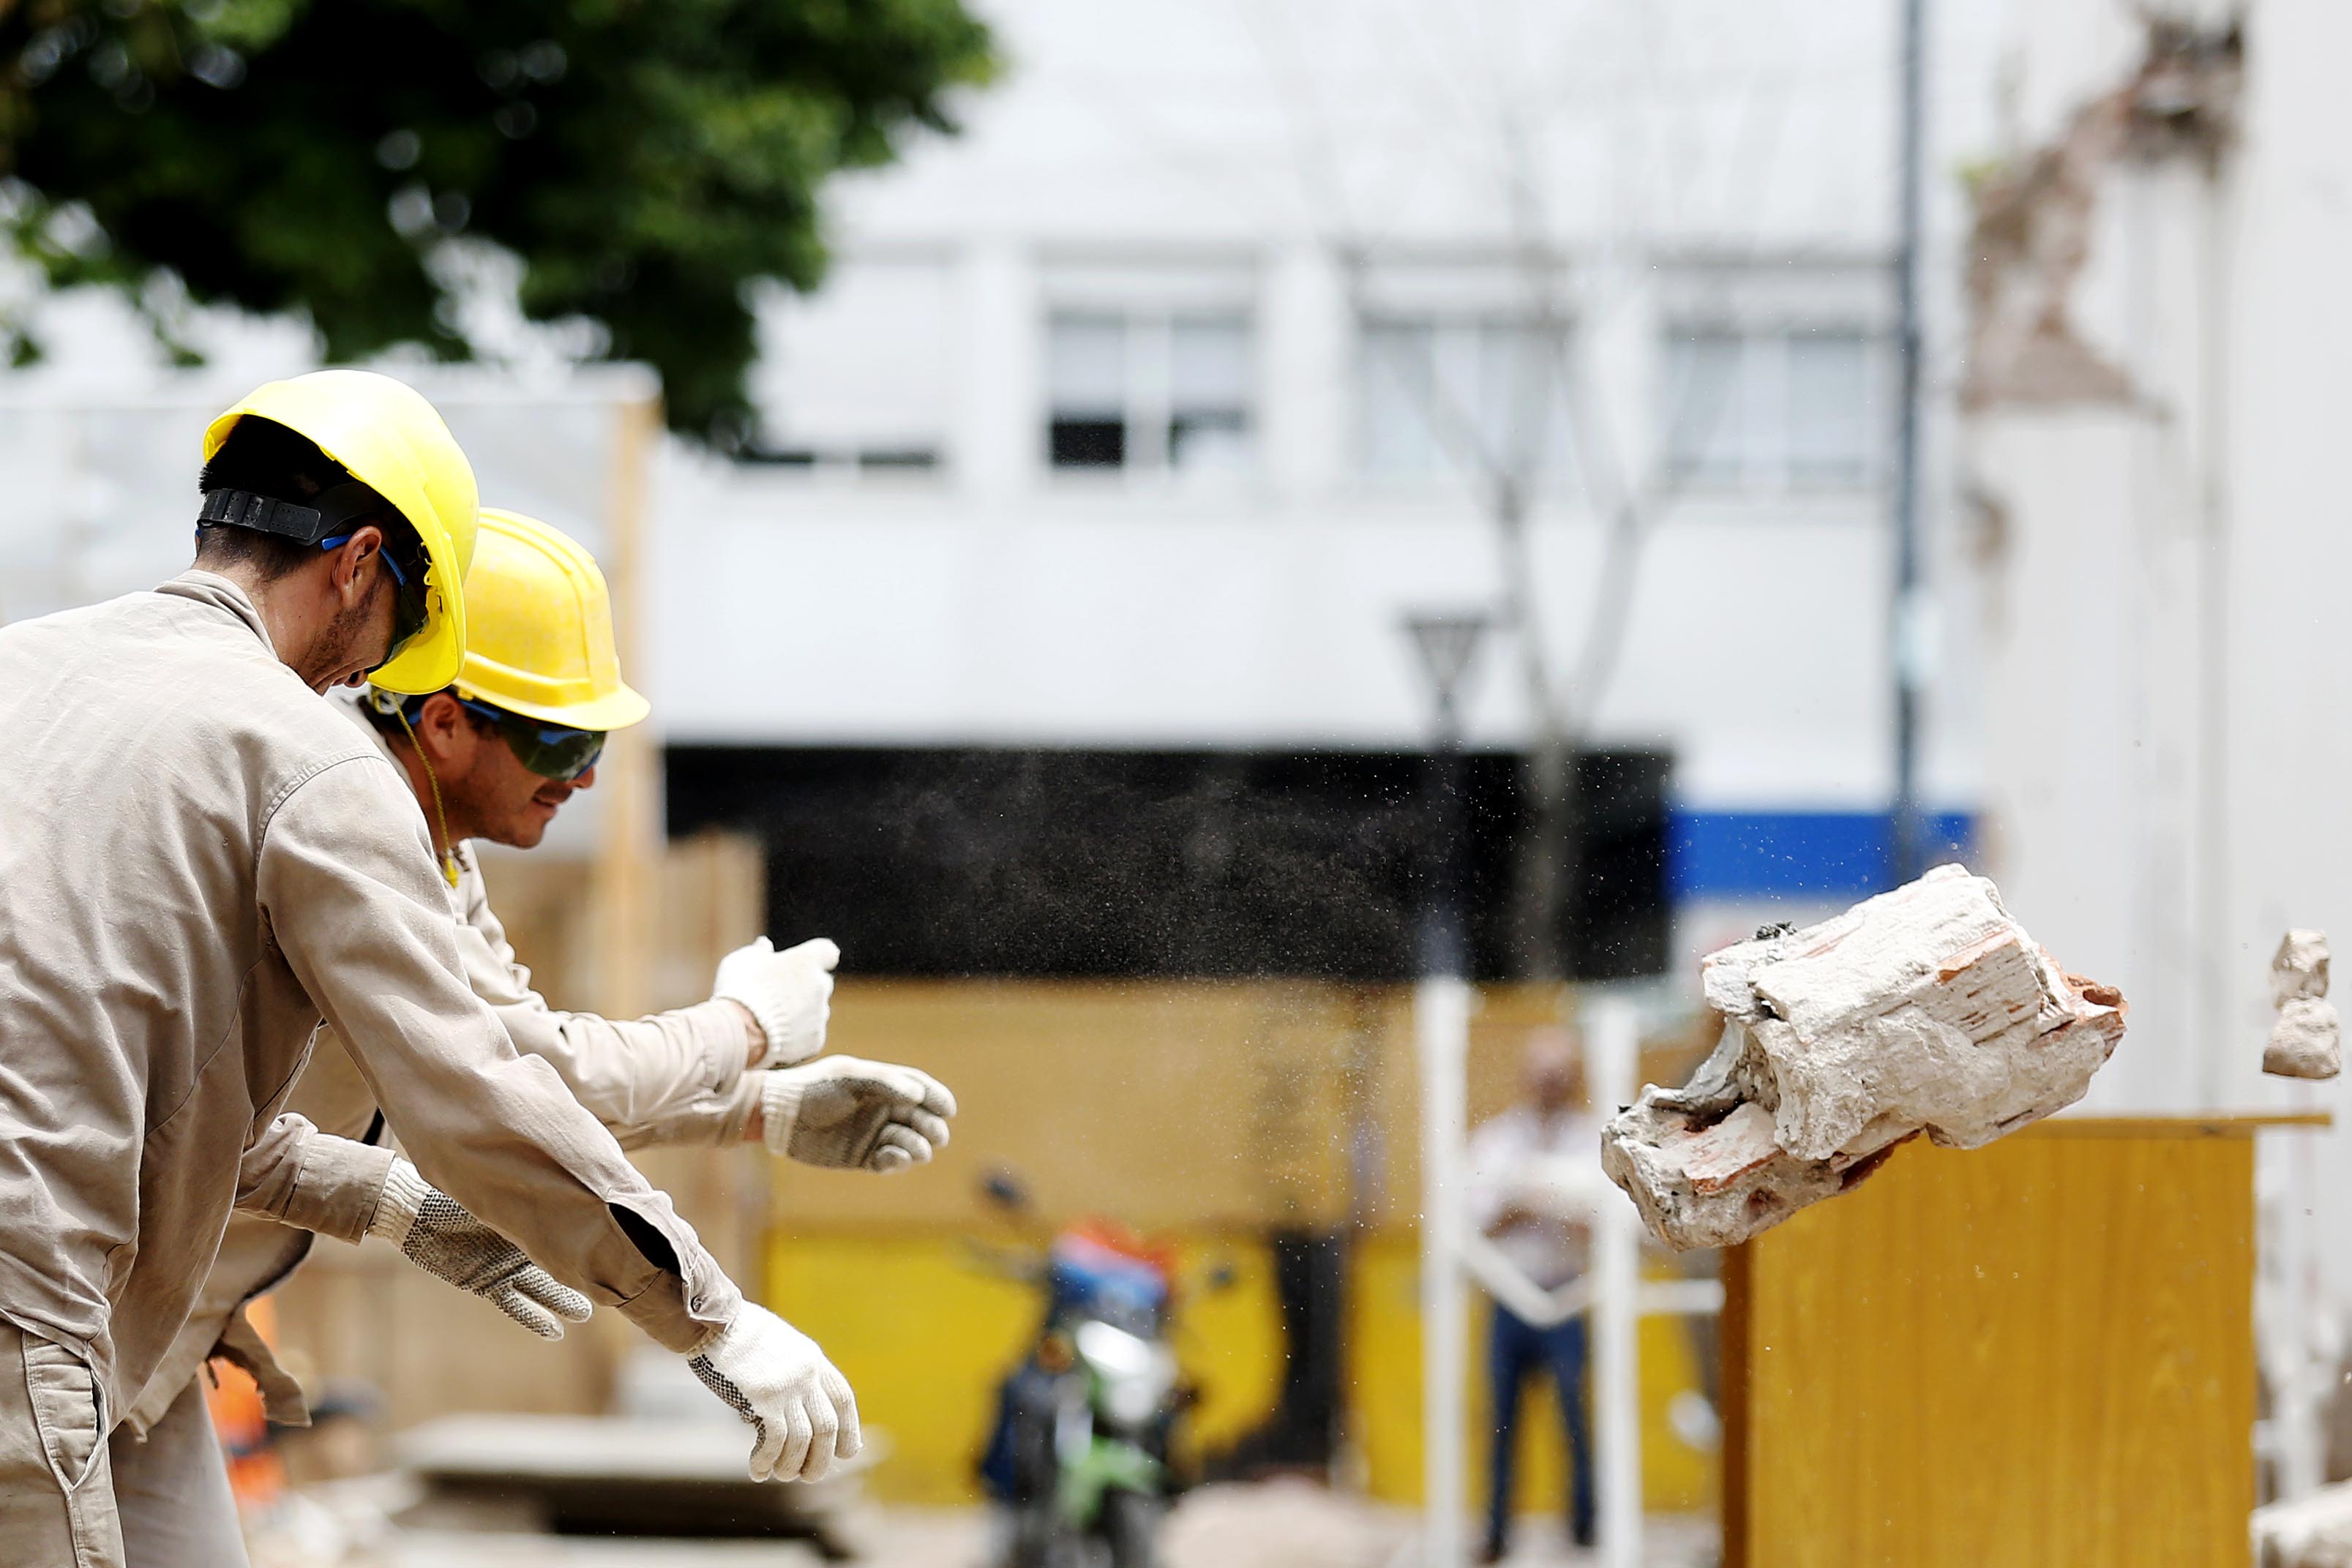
[[347, 634]]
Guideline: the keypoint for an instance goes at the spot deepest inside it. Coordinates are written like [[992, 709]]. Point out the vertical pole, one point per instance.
[[1441, 1018], [1612, 1062], [2216, 1086], [2298, 1415], [1442, 1030], [1909, 631], [621, 880], [1441, 1005]]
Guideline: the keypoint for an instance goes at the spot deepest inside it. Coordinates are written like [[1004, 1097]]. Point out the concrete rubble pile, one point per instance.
[[1927, 1009], [2307, 1040]]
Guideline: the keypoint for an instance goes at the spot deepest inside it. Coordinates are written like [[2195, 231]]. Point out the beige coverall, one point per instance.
[[198, 857], [675, 1078]]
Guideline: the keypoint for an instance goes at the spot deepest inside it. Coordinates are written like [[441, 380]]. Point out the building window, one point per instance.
[[1150, 392], [1771, 410], [1467, 396], [1829, 409], [1210, 377], [852, 382]]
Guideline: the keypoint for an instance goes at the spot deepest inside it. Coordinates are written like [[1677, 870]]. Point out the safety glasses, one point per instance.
[[409, 611], [549, 750]]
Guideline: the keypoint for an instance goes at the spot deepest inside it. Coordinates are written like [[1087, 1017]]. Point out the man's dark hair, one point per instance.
[[267, 458], [385, 724], [389, 724]]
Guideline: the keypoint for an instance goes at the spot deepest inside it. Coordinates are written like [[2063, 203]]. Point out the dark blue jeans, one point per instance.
[[1514, 1349]]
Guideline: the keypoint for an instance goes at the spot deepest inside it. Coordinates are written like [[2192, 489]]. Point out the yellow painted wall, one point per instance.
[[923, 1333]]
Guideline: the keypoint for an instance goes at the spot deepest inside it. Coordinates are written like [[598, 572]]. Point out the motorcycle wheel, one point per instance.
[[1130, 1525]]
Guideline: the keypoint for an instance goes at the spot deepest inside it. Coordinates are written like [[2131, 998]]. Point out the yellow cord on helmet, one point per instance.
[[448, 850]]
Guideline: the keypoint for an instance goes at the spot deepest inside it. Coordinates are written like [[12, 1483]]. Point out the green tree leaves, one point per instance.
[[645, 160]]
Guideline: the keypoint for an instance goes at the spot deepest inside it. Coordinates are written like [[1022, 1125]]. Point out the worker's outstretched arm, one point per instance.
[[669, 1078], [348, 881], [313, 1181], [685, 1076]]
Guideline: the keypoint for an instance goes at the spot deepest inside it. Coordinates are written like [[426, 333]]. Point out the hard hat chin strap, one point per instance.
[[322, 519]]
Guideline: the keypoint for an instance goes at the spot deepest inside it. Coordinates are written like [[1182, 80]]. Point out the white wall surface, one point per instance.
[[1756, 642], [1753, 124], [2171, 663], [1696, 160], [2172, 670]]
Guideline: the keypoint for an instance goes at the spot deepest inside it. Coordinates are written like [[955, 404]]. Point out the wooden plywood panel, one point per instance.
[[624, 876], [2039, 1353]]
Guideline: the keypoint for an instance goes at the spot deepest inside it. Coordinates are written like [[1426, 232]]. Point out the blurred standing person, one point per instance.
[[1532, 1172]]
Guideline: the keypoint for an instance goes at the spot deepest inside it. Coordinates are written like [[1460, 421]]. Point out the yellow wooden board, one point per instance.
[[2036, 1353]]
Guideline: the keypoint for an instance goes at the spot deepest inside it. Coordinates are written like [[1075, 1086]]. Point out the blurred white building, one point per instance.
[[1137, 418]]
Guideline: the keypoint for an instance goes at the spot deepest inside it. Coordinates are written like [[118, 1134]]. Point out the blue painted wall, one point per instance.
[[1821, 855]]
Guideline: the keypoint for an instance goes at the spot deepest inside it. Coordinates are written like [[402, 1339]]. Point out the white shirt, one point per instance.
[[1549, 1166]]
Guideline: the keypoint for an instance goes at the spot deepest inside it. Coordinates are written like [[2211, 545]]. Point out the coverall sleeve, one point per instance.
[[668, 1079], [298, 1175], [348, 881]]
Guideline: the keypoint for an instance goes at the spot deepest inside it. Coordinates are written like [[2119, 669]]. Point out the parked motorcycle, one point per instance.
[[1079, 1460]]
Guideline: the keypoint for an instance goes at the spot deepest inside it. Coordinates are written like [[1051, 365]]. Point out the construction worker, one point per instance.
[[495, 755], [198, 860]]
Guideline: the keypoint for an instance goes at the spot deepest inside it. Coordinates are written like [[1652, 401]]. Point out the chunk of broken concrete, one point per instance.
[[2314, 1530], [1927, 1009], [2307, 1040], [2299, 967]]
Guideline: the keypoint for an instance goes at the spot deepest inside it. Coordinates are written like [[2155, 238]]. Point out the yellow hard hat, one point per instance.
[[542, 630], [393, 442]]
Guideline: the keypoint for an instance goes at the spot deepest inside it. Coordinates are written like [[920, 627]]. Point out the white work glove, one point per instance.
[[790, 993], [852, 1115], [439, 1237], [802, 1412]]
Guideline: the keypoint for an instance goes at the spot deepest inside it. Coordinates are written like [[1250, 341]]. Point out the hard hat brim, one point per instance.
[[432, 657], [616, 709]]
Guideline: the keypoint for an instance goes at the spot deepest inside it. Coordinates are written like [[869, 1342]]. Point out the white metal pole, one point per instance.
[[1441, 1015], [1612, 1062], [1908, 632]]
